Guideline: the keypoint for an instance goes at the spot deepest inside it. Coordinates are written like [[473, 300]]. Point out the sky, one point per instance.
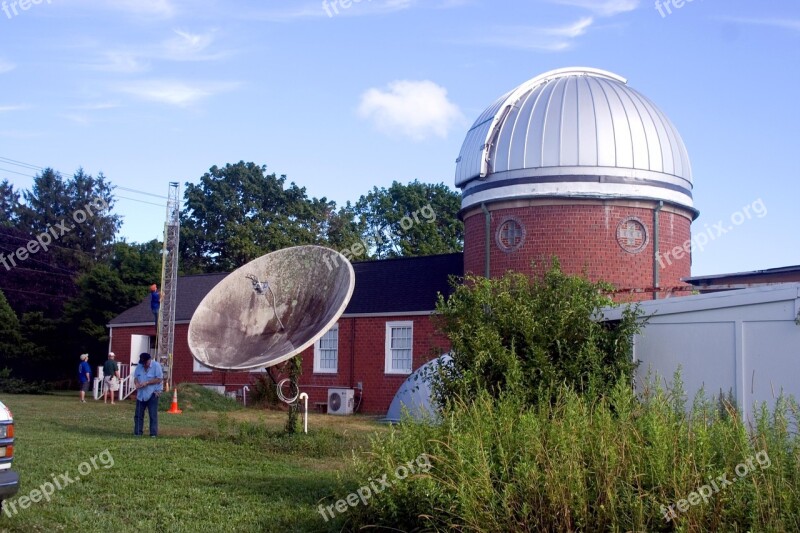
[[344, 96]]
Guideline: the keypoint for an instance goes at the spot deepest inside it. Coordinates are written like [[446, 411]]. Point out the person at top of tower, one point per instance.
[[155, 302]]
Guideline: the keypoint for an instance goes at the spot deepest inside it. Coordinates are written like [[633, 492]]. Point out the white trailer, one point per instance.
[[746, 341]]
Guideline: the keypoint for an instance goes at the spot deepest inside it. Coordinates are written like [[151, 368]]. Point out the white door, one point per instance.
[[139, 345]]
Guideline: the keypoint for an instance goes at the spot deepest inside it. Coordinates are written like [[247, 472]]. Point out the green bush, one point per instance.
[[514, 335], [9, 385], [576, 464]]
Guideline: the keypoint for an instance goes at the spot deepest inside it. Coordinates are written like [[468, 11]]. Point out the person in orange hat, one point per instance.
[[155, 302]]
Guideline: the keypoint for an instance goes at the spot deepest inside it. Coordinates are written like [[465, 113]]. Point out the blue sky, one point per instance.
[[358, 95]]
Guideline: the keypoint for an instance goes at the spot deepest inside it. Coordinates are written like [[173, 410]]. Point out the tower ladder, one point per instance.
[[169, 284]]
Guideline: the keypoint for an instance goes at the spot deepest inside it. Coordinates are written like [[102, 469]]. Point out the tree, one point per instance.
[[102, 296], [518, 336], [10, 337], [138, 265], [239, 212], [76, 213], [411, 220], [9, 204]]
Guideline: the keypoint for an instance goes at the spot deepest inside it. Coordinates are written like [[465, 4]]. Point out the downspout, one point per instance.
[[486, 239], [655, 248], [352, 351]]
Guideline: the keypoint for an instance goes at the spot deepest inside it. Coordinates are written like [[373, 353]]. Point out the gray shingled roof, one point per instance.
[[403, 285]]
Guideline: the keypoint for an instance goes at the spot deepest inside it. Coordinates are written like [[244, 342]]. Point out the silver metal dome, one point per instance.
[[574, 132]]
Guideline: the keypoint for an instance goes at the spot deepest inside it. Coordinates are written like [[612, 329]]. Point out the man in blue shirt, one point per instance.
[[147, 379], [84, 375]]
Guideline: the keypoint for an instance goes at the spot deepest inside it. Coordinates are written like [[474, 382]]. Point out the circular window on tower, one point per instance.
[[510, 234], [632, 235]]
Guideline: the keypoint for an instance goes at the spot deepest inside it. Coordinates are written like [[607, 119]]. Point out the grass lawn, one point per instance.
[[207, 470]]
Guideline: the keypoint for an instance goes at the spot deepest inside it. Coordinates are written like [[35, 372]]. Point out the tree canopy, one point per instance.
[[411, 220], [239, 212]]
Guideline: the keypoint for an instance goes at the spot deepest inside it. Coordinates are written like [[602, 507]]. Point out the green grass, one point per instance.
[[207, 471]]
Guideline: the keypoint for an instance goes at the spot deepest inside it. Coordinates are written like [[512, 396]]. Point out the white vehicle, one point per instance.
[[9, 480]]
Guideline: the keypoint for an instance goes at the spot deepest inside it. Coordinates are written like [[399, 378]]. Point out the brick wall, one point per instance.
[[362, 346], [583, 235]]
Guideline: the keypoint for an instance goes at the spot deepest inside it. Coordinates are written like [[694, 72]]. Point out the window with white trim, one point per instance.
[[399, 343], [200, 367], [326, 352]]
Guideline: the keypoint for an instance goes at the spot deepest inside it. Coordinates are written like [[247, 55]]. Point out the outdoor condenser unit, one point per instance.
[[340, 401]]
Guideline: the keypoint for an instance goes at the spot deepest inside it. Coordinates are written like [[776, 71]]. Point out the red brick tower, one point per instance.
[[576, 164]]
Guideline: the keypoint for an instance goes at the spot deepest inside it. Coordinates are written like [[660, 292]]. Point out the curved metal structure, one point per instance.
[[577, 132], [238, 327]]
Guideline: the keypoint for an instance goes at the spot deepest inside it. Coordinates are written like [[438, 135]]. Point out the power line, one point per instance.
[[140, 192], [30, 166], [140, 201], [20, 163], [12, 252], [49, 245], [4, 289]]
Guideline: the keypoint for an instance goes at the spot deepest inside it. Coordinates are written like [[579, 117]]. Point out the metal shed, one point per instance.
[[746, 341]]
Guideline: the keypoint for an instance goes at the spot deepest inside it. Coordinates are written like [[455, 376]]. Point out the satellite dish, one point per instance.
[[415, 393], [271, 309]]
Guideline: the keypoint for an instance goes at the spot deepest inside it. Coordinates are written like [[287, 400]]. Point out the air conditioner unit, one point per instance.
[[340, 401]]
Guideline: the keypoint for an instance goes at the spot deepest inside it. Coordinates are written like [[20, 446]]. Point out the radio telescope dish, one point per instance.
[[271, 309]]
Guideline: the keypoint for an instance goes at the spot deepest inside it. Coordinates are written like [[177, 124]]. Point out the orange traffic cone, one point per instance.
[[174, 407]]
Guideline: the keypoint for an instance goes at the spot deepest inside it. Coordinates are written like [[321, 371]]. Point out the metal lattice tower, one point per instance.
[[169, 284]]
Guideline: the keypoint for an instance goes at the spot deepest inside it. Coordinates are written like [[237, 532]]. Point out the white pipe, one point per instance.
[[244, 394], [304, 397]]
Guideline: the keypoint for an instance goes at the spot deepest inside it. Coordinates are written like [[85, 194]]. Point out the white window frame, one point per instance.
[[388, 358], [318, 353], [200, 368]]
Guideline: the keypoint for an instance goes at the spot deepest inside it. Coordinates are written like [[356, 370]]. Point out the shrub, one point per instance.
[[615, 463], [524, 337], [9, 385]]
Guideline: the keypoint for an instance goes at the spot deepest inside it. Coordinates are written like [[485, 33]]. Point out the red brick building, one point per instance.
[[572, 163], [392, 299]]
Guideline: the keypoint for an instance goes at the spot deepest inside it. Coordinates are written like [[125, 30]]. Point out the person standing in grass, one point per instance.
[[147, 379], [84, 375], [110, 374]]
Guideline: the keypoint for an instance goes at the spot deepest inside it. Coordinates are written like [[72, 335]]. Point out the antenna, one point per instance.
[[271, 309]]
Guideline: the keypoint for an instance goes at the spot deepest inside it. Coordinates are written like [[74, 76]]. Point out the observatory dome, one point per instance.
[[574, 132]]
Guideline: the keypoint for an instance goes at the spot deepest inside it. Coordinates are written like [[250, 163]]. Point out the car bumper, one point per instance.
[[9, 483]]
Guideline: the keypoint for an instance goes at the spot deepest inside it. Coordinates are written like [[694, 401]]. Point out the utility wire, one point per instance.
[[14, 162], [36, 293]]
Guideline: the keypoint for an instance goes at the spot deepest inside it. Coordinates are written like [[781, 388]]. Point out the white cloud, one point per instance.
[[357, 8], [176, 93], [554, 39], [184, 46], [121, 61], [6, 66], [82, 120], [415, 109], [788, 24], [9, 108], [187, 46], [603, 8], [99, 106], [152, 8]]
